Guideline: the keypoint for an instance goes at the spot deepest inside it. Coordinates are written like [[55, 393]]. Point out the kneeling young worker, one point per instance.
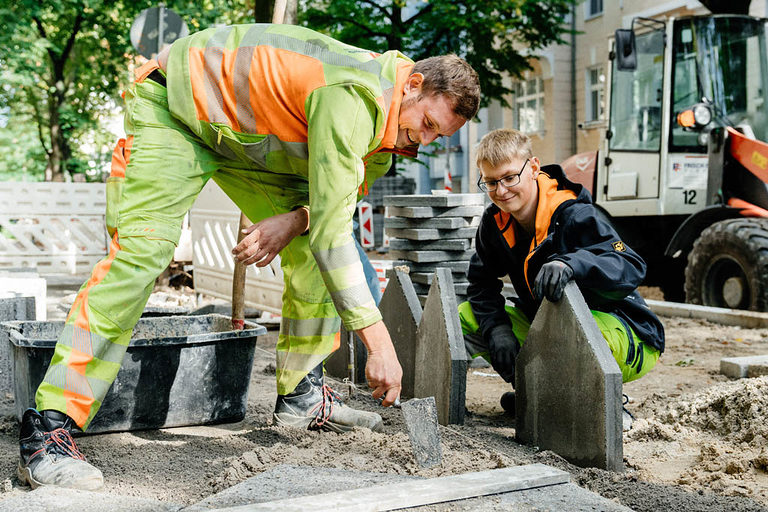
[[542, 230]]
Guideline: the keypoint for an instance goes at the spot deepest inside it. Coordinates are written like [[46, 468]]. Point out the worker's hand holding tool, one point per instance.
[[265, 239], [382, 370], [504, 348], [551, 280]]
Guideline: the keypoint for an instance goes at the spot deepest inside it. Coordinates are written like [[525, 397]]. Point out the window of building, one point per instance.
[[594, 8], [529, 105], [594, 88]]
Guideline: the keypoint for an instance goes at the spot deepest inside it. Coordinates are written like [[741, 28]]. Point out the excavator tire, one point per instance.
[[728, 266]]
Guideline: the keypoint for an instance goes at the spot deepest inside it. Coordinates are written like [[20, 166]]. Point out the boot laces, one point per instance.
[[330, 397], [60, 442]]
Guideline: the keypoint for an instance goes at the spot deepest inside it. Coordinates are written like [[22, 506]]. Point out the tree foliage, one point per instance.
[[492, 35], [63, 64]]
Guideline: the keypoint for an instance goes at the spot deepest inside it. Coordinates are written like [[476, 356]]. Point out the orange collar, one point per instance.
[[389, 138]]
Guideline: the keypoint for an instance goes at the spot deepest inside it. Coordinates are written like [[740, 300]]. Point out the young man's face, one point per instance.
[[422, 119], [517, 200]]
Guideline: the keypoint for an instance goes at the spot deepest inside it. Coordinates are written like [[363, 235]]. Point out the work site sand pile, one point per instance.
[[728, 426]]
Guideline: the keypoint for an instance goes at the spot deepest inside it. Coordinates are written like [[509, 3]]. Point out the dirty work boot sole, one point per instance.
[[508, 402]]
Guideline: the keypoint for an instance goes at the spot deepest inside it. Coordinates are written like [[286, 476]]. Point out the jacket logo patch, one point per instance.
[[619, 246]]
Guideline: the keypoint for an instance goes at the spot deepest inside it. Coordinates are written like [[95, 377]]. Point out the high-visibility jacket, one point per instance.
[[297, 103]]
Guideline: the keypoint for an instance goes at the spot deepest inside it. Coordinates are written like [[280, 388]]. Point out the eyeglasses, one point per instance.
[[508, 181]]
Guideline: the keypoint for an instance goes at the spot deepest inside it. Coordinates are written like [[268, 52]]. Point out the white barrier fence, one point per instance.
[[54, 229]]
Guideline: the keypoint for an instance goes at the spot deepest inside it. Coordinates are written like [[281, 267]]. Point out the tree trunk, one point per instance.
[[54, 170]]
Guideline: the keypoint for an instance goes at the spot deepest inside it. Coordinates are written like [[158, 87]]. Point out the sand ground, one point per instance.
[[699, 441]]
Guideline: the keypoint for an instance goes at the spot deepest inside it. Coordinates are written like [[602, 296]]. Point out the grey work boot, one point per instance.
[[49, 455], [313, 405]]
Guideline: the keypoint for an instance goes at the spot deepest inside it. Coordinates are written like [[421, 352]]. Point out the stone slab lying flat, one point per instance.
[[428, 212], [58, 498], [445, 200], [555, 498], [441, 357], [401, 313], [458, 288], [739, 367], [426, 278], [420, 492], [568, 386], [458, 244], [457, 267], [432, 256], [430, 234], [724, 316], [289, 481], [431, 222]]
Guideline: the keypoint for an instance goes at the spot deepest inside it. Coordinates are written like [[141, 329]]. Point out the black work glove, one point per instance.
[[503, 346], [551, 280]]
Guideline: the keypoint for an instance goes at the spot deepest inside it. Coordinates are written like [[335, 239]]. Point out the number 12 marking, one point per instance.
[[689, 196]]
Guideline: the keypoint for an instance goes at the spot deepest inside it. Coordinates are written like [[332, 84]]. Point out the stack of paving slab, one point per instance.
[[434, 231]]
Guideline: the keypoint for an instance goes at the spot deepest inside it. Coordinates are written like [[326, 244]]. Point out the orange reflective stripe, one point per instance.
[[336, 342], [198, 78], [98, 274], [78, 361], [78, 406], [121, 156]]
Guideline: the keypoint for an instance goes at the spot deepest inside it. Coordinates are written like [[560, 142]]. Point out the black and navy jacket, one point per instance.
[[570, 229]]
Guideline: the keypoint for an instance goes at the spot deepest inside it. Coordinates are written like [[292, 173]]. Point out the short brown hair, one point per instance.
[[453, 77], [501, 146]]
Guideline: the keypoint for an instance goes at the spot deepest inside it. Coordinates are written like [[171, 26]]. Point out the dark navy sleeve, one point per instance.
[[485, 271], [603, 265]]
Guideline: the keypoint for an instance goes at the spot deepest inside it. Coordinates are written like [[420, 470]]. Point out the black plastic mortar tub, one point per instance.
[[183, 370]]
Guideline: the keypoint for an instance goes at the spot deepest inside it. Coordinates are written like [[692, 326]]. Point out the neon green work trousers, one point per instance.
[[634, 357], [157, 172]]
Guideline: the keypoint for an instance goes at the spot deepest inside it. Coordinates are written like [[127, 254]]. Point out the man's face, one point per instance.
[[519, 199], [422, 119]]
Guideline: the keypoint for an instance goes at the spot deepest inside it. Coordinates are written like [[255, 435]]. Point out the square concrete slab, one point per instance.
[[449, 244], [445, 200], [435, 223], [430, 233], [568, 386], [428, 212], [433, 256]]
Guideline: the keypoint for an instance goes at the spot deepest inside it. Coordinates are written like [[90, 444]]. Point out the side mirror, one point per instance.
[[626, 56]]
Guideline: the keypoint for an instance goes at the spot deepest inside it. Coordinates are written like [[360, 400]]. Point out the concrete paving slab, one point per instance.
[[445, 200], [46, 499], [440, 353], [420, 492], [457, 267], [739, 367], [288, 481], [423, 431], [568, 386], [426, 278], [12, 308], [401, 313], [431, 234], [26, 285], [458, 288], [432, 256], [435, 223], [428, 212], [457, 244], [757, 370], [555, 498]]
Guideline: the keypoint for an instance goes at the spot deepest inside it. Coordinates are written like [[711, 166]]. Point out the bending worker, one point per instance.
[[291, 124], [542, 231]]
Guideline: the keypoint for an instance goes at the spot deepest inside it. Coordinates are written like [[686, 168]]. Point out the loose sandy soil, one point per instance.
[[699, 441]]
